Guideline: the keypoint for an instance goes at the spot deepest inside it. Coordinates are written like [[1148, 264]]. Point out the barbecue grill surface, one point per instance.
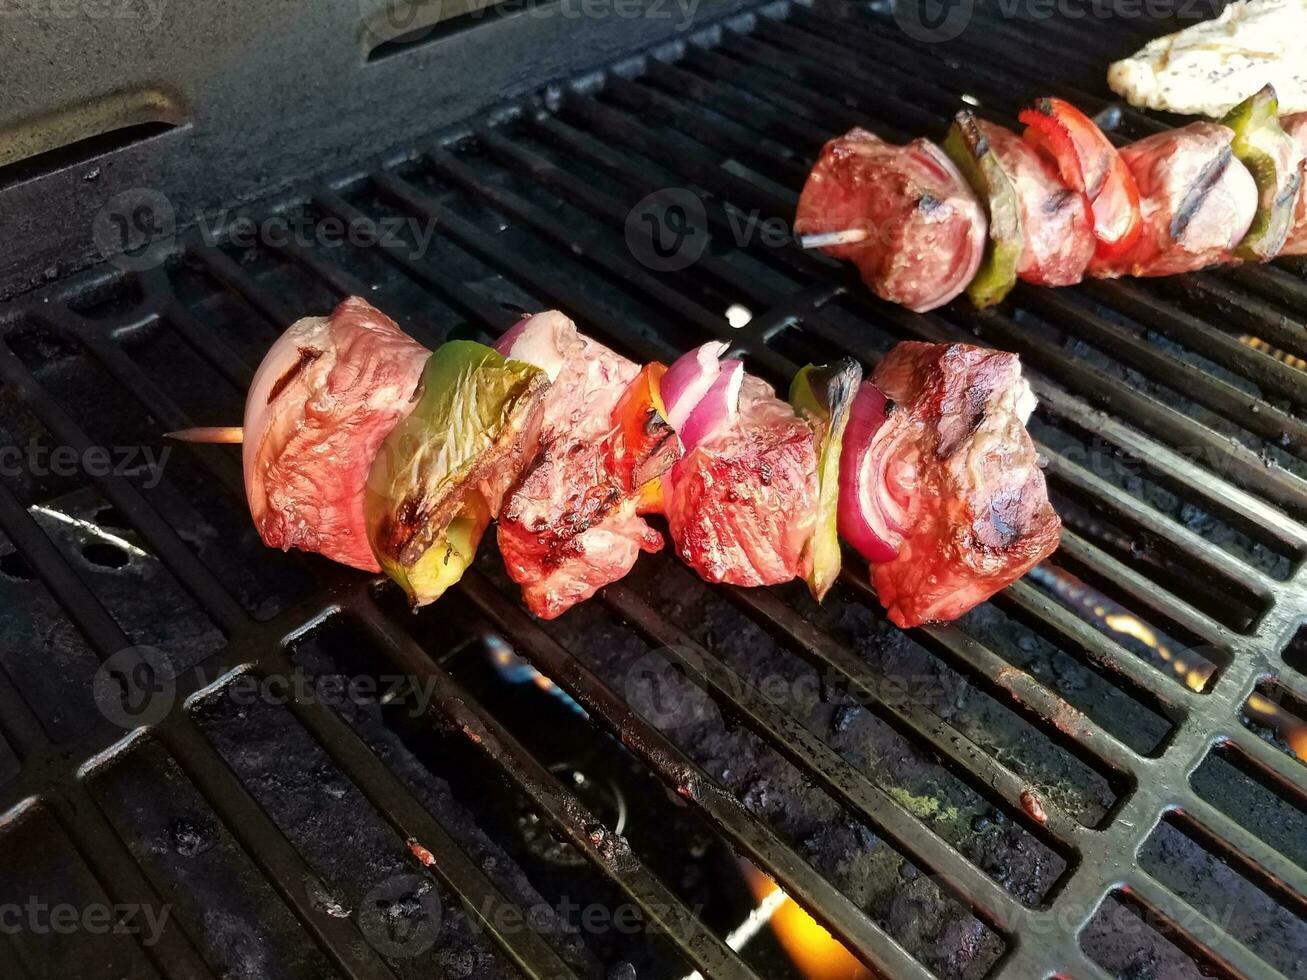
[[1092, 775]]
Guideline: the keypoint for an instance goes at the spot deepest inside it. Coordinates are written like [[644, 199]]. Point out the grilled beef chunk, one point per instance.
[[977, 513], [742, 505], [1296, 243], [571, 524], [925, 230], [1196, 199], [1056, 228], [324, 398]]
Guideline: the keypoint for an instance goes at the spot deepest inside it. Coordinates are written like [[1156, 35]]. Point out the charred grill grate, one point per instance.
[[1199, 538]]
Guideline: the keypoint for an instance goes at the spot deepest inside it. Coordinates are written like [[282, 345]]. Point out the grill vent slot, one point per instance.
[[400, 26], [70, 137]]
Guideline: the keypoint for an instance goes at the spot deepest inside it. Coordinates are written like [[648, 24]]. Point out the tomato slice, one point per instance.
[[1088, 162]]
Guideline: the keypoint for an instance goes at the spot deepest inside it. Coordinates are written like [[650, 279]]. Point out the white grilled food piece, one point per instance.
[[1210, 67]]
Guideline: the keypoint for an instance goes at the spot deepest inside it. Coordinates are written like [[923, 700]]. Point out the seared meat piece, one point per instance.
[[742, 505], [325, 397], [1056, 227], [1197, 202], [977, 513], [1296, 243], [925, 230], [571, 528], [571, 524]]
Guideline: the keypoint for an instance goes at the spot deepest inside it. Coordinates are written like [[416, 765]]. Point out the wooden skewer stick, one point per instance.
[[849, 236], [229, 434]]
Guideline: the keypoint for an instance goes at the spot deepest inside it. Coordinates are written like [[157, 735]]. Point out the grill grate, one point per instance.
[[532, 208]]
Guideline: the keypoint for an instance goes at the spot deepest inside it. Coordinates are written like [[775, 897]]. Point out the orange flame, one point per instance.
[[816, 953], [1190, 666], [1291, 728]]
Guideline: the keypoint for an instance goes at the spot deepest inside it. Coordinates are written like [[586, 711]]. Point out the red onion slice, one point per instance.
[[505, 343], [717, 409], [687, 381], [870, 518]]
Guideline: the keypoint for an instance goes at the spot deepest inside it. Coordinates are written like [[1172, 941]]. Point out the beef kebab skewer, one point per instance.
[[363, 446], [923, 223]]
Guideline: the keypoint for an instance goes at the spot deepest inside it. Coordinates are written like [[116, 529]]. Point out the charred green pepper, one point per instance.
[[1271, 156], [823, 394], [967, 147], [440, 476]]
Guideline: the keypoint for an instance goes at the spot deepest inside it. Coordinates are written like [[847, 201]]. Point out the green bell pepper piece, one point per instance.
[[426, 500], [823, 394], [1265, 149], [967, 147]]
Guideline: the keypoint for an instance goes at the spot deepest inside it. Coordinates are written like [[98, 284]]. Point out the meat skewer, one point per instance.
[[361, 445], [1058, 203], [231, 435]]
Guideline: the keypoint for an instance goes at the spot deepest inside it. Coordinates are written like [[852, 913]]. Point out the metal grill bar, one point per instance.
[[463, 299], [1283, 770], [1266, 865], [1265, 371], [1191, 545], [243, 818], [1269, 421], [410, 820], [172, 551], [1044, 615], [872, 945], [1249, 312], [606, 851], [1228, 954], [203, 340], [797, 743]]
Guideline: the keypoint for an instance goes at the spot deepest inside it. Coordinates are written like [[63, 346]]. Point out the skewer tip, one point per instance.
[[825, 239], [226, 434]]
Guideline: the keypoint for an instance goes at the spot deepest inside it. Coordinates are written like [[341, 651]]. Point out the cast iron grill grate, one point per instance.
[[1177, 455]]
